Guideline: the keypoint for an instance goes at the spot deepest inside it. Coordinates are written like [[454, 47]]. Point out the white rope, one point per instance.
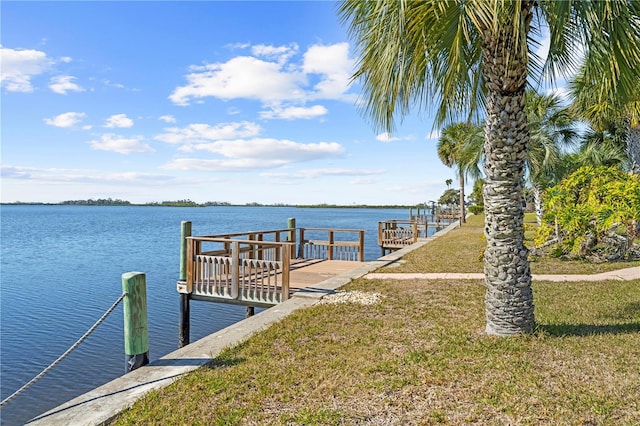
[[64, 355]]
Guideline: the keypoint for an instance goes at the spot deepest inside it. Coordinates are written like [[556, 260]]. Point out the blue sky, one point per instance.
[[209, 101]]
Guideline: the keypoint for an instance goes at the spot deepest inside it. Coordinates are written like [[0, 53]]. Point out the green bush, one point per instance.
[[476, 209], [588, 207]]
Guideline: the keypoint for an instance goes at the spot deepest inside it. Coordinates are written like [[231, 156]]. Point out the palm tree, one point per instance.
[[451, 145], [551, 126], [614, 114], [472, 58], [604, 147]]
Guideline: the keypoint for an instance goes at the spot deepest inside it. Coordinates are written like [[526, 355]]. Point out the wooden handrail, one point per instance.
[[265, 249], [331, 243], [199, 268]]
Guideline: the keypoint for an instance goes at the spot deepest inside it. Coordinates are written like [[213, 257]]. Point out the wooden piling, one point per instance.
[[185, 298], [136, 329], [291, 224]]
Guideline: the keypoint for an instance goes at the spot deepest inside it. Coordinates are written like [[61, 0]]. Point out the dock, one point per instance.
[[261, 268], [265, 268], [395, 234]]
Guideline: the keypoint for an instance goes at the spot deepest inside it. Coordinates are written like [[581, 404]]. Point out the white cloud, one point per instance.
[[14, 172], [316, 173], [198, 133], [291, 113], [433, 135], [110, 83], [119, 144], [279, 53], [119, 121], [65, 59], [222, 165], [19, 66], [254, 154], [272, 76], [386, 137], [68, 119], [167, 118], [271, 149], [64, 83], [240, 46], [241, 77], [313, 173], [49, 175], [336, 68]]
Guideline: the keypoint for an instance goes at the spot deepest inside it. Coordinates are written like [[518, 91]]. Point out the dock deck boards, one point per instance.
[[307, 272]]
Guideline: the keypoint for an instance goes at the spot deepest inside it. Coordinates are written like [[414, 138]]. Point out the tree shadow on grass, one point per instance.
[[223, 362], [561, 330], [624, 320]]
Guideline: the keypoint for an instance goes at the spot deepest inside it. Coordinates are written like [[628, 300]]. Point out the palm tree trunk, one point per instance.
[[537, 198], [463, 216], [509, 299]]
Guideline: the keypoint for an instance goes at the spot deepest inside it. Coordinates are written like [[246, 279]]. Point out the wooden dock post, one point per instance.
[[185, 298], [291, 224], [136, 329]]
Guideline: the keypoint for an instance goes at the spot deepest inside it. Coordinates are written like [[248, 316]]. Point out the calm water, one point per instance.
[[61, 269]]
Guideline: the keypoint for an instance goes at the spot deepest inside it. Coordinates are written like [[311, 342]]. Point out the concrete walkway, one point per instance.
[[627, 274]]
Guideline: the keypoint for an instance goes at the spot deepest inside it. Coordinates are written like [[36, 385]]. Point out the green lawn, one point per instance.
[[461, 251], [421, 357]]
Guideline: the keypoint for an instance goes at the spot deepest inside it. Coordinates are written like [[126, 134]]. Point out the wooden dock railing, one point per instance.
[[398, 233], [253, 268], [241, 271], [320, 243], [395, 234]]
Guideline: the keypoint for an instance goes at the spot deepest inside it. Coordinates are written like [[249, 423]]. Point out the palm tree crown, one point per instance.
[[616, 110]]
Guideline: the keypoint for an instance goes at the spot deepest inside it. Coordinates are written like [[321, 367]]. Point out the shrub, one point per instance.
[[476, 209], [589, 209]]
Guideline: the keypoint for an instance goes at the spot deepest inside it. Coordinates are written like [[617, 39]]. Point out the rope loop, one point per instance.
[[64, 355]]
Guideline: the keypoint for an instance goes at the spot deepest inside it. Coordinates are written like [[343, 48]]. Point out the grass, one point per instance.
[[421, 357], [461, 251]]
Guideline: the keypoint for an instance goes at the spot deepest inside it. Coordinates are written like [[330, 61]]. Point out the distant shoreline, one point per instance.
[[188, 203]]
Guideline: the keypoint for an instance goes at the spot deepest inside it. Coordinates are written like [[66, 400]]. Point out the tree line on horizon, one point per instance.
[[190, 203]]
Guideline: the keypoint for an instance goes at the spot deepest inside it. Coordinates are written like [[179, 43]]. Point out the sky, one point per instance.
[[237, 102]]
